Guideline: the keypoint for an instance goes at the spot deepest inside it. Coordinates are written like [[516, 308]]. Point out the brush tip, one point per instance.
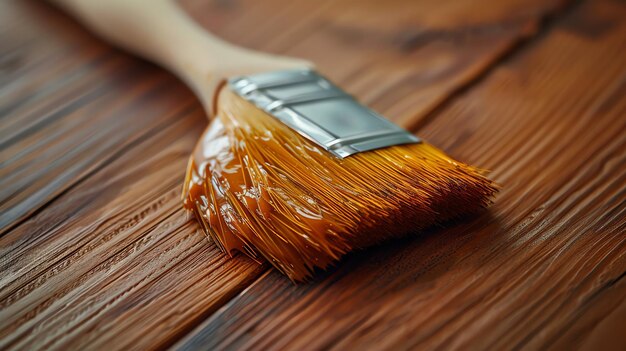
[[258, 187]]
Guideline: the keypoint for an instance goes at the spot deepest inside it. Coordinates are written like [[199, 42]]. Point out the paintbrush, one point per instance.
[[291, 168]]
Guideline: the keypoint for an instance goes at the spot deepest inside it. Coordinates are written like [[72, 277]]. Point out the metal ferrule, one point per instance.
[[320, 111]]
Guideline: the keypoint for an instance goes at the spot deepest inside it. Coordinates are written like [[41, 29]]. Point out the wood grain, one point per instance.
[[124, 252], [112, 261], [544, 269], [68, 112], [95, 251]]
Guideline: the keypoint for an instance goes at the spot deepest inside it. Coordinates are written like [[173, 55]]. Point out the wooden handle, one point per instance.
[[160, 31]]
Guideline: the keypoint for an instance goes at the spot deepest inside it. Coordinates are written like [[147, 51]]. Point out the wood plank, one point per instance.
[[64, 117], [543, 268], [108, 136], [95, 251], [116, 262]]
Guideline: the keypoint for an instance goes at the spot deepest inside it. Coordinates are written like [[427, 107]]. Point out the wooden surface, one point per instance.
[[97, 253]]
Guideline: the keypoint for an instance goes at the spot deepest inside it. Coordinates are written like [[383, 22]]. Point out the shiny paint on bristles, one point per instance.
[[258, 187]]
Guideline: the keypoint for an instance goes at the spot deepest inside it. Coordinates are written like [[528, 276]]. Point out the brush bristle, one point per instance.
[[258, 187]]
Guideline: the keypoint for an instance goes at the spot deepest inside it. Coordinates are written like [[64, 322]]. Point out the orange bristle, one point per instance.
[[257, 186]]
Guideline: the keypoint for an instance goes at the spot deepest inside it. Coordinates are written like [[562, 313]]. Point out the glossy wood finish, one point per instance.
[[96, 252]]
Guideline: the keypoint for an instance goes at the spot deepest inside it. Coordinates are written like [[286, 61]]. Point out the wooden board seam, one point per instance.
[[522, 43]]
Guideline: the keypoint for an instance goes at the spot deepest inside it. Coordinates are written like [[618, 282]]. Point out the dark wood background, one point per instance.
[[97, 253]]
